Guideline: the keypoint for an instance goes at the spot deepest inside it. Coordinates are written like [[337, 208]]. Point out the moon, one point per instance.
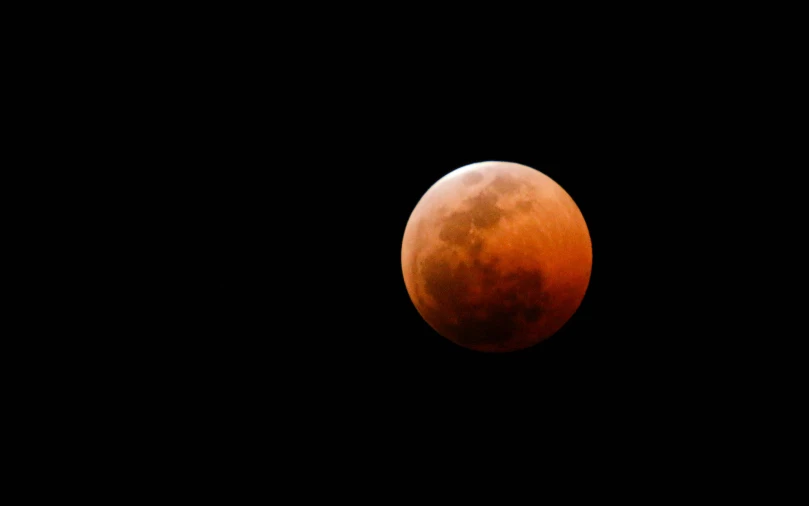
[[496, 256]]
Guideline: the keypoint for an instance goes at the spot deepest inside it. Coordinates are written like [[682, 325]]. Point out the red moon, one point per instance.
[[496, 256]]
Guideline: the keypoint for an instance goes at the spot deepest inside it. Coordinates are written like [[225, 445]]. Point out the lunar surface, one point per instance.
[[496, 256]]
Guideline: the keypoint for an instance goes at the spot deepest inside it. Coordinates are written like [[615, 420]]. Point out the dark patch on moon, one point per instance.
[[509, 301], [472, 178], [482, 212], [531, 314], [475, 246], [525, 206], [456, 229], [505, 184]]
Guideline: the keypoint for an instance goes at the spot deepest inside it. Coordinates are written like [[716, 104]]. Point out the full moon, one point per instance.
[[496, 256]]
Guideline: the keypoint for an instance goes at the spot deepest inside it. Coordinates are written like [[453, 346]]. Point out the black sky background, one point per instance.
[[273, 180], [223, 271], [301, 216]]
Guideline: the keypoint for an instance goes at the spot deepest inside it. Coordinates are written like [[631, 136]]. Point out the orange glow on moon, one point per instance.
[[496, 256]]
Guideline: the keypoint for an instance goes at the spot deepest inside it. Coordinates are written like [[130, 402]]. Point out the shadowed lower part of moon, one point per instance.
[[512, 300], [497, 259]]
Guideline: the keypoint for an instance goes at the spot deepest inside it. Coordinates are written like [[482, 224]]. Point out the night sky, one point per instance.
[[312, 289], [245, 183], [290, 227]]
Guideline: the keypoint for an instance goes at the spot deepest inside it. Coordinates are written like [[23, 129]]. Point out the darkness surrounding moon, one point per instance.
[[496, 256]]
